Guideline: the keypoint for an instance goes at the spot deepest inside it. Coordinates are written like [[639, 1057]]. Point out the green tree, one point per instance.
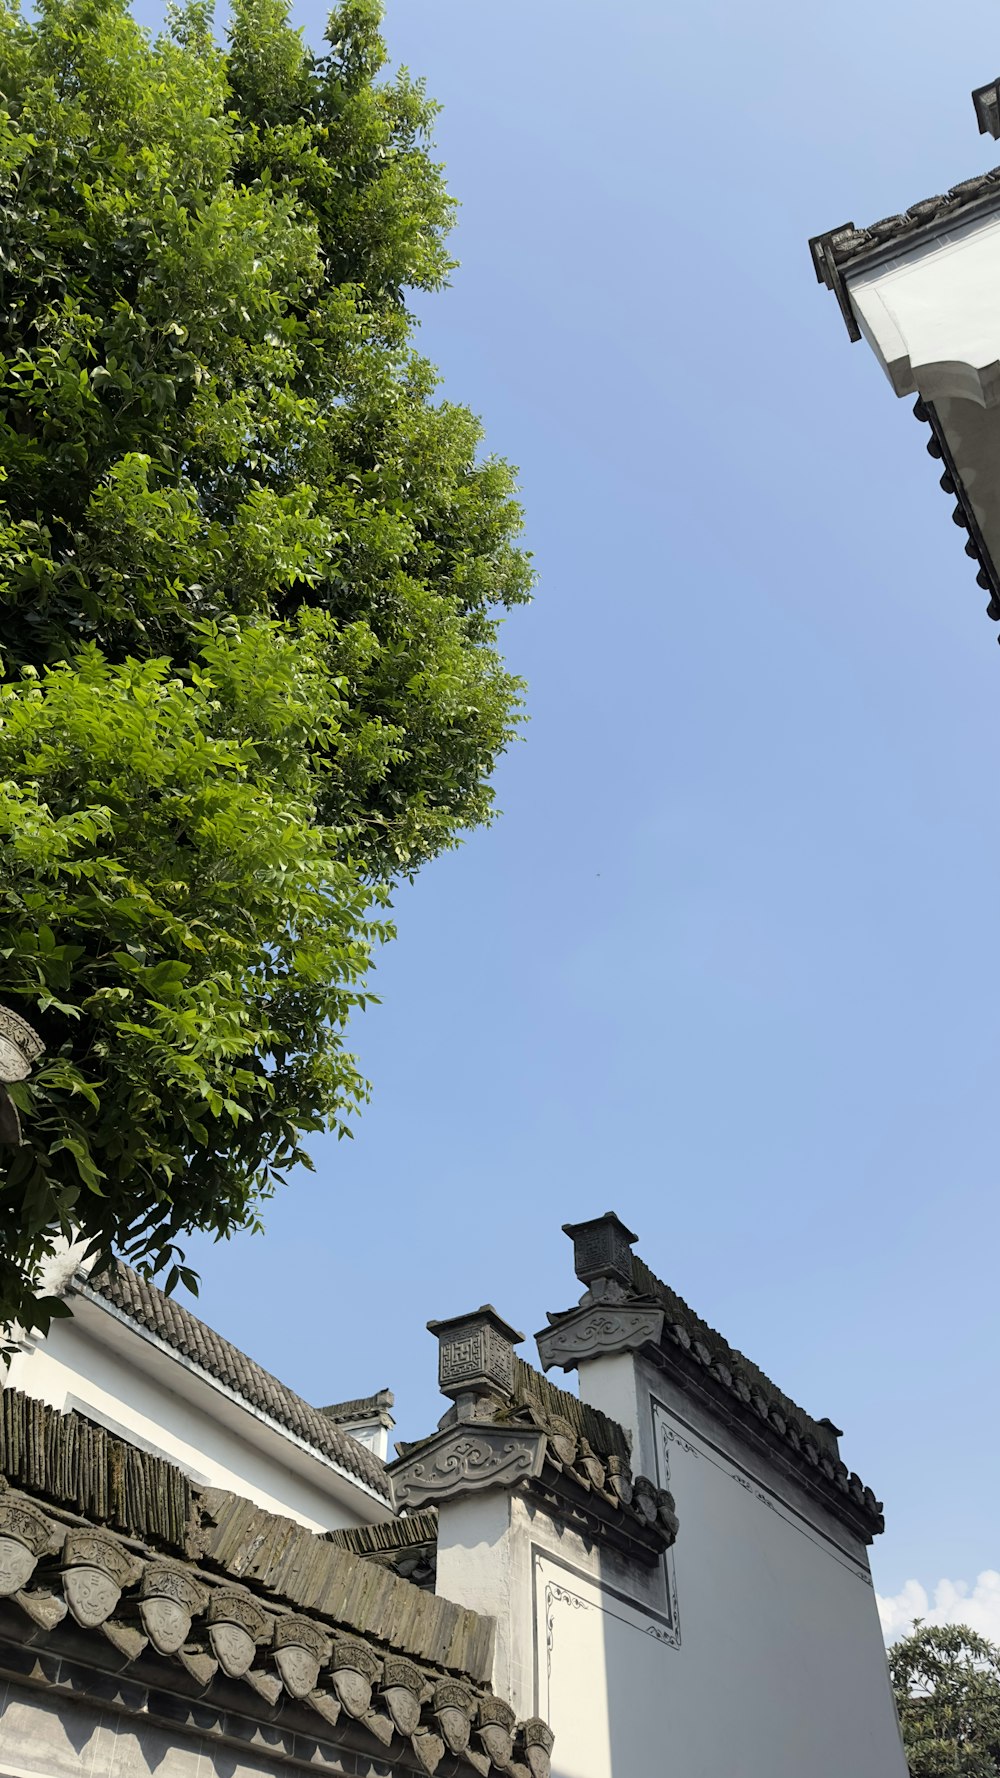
[[947, 1685], [251, 567]]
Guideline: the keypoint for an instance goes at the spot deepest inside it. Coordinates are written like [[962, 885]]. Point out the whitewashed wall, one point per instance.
[[771, 1662], [752, 1651], [928, 310], [132, 1385]]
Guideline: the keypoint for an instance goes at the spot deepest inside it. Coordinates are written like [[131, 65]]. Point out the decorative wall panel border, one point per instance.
[[558, 1584], [669, 1436]]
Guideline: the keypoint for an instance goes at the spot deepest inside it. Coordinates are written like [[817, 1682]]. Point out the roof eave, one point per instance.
[[206, 1379]]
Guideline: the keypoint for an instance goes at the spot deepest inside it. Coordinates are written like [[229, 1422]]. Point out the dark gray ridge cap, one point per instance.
[[605, 1436], [986, 103], [847, 248], [86, 1476], [572, 1229], [407, 1545], [405, 1533], [488, 1313], [807, 1446], [307, 1571], [531, 1389], [86, 1470], [140, 1301], [363, 1407], [583, 1472], [963, 514], [257, 1602]]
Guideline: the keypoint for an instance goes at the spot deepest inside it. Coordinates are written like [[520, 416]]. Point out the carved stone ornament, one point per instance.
[[24, 1534], [619, 1479], [602, 1248], [95, 1569], [466, 1458], [17, 1565], [562, 1438], [44, 1609], [591, 1465], [233, 1648], [595, 1332], [644, 1499], [300, 1650], [20, 1046], [129, 1641], [236, 1624], [169, 1599], [201, 1666], [429, 1750], [476, 1353], [402, 1689], [666, 1511], [355, 1669], [496, 1730], [454, 1709], [325, 1705], [538, 1743]]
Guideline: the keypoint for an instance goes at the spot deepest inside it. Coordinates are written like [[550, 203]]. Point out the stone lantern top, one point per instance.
[[602, 1248], [475, 1356]]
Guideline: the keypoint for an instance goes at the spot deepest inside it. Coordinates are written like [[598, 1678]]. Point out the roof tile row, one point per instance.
[[143, 1302]]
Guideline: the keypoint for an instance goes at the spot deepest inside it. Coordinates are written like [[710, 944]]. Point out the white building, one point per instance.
[[921, 287], [142, 1366], [201, 1573]]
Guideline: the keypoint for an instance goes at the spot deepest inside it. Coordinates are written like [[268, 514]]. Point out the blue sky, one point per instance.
[[728, 962]]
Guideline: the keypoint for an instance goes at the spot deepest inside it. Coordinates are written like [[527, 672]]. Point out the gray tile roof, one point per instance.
[[407, 1545], [319, 1639], [362, 1407], [143, 1302], [604, 1435], [810, 1445], [846, 249], [963, 512], [840, 248], [585, 1470]]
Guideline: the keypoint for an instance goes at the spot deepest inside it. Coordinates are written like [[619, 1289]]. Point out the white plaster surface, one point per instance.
[[779, 1670], [475, 1568], [98, 1366], [753, 1650], [44, 1736], [48, 1735], [931, 315], [932, 318]]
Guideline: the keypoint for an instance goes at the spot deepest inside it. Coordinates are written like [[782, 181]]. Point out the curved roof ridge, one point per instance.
[[604, 1435], [142, 1301]]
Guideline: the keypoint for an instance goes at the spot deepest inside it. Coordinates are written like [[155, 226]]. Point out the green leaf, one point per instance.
[[252, 569]]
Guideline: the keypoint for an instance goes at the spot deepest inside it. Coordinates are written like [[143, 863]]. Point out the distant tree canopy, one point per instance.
[[250, 574], [947, 1686]]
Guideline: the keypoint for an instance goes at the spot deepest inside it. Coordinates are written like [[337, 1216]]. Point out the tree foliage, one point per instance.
[[947, 1685], [250, 572]]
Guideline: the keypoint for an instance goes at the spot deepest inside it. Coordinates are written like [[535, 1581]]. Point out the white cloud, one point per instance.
[[954, 1602]]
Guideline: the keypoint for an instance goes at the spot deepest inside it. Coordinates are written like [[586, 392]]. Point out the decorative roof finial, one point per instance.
[[986, 100], [475, 1357], [602, 1248]]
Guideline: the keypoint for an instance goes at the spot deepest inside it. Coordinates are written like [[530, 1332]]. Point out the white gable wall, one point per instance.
[[779, 1669], [752, 1650], [927, 306]]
